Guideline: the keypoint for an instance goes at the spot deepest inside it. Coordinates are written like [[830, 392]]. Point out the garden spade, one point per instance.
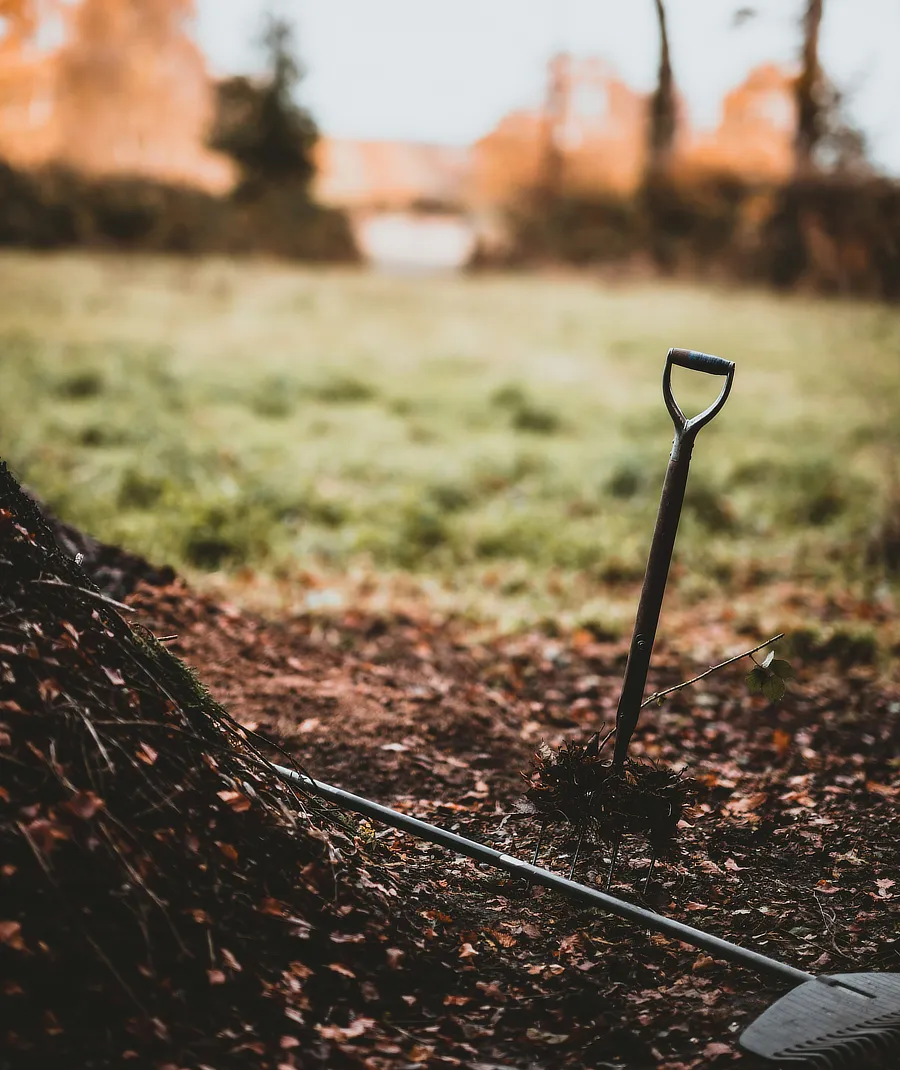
[[670, 504]]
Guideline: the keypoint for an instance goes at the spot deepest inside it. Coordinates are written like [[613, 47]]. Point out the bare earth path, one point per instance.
[[793, 848]]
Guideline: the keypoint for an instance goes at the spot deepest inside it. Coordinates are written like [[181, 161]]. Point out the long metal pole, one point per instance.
[[572, 889]]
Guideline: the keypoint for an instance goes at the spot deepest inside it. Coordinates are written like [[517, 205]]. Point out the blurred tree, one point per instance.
[[260, 125], [555, 106], [810, 88], [17, 15], [826, 138], [662, 103]]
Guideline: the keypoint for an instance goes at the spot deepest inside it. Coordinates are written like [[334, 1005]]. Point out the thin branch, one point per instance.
[[687, 683], [96, 595]]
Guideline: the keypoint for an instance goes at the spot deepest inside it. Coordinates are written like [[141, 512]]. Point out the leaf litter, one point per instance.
[[255, 928]]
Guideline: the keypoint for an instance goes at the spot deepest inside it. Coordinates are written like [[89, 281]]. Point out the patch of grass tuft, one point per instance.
[[625, 481], [343, 389], [523, 413], [275, 398], [710, 508], [79, 385]]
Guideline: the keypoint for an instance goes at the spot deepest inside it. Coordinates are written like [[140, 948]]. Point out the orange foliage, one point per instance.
[[389, 174], [589, 137], [755, 139], [125, 93]]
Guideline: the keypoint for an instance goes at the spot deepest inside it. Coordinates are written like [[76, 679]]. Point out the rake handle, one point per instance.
[[581, 893]]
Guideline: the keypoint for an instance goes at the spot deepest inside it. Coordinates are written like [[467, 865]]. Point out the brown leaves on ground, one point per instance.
[[415, 714], [403, 955], [142, 882]]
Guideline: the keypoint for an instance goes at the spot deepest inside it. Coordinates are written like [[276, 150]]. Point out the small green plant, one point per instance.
[[711, 510], [626, 480], [274, 398], [140, 490], [537, 419], [769, 677]]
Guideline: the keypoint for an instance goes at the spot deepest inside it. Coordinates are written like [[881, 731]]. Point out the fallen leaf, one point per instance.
[[235, 799], [546, 1038], [743, 804], [230, 961], [341, 969], [717, 1048], [11, 935], [227, 850], [273, 907], [355, 1029], [84, 804], [147, 754]]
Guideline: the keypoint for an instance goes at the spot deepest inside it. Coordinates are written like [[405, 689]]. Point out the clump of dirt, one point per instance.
[[573, 783], [165, 898], [116, 571]]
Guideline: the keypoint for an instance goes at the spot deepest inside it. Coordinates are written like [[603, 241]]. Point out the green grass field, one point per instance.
[[501, 439]]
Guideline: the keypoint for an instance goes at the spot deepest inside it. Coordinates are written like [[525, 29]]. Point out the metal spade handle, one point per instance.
[[670, 504]]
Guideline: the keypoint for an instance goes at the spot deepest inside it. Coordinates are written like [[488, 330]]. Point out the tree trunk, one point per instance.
[[808, 92], [555, 108], [662, 103]]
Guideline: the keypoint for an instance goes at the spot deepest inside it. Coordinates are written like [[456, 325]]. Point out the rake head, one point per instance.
[[843, 1020]]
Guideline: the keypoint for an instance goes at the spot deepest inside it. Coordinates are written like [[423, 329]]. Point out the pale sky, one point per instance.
[[446, 70]]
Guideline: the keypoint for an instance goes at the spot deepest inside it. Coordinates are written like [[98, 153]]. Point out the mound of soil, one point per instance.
[[166, 901]]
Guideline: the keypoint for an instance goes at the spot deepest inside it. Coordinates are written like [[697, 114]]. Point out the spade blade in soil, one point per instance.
[[844, 1020]]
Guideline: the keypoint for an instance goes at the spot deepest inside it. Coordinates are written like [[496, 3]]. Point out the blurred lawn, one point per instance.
[[503, 438]]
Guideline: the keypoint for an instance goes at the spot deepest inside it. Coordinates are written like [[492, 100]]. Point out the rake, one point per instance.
[[832, 1021]]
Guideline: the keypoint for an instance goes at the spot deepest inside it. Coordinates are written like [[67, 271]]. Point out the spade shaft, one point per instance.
[[663, 543]]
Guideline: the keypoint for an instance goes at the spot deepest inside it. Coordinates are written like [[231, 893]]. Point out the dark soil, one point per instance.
[[792, 848]]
